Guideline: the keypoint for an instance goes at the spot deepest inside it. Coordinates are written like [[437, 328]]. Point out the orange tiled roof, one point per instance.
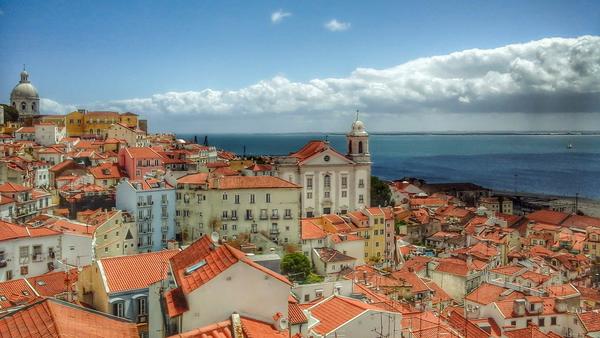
[[142, 152], [532, 331], [199, 178], [16, 292], [10, 231], [590, 320], [487, 293], [106, 171], [548, 216], [295, 314], [564, 290], [135, 271], [53, 318], [336, 311], [9, 187], [54, 283], [251, 328], [311, 230], [217, 260]]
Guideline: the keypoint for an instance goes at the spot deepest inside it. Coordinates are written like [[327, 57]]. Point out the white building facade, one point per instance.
[[331, 181]]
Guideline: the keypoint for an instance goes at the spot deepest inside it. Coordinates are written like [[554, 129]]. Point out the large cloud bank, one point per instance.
[[549, 76]]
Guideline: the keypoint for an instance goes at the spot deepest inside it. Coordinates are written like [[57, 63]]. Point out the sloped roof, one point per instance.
[[335, 311], [135, 271], [10, 231], [216, 260], [54, 318], [16, 292]]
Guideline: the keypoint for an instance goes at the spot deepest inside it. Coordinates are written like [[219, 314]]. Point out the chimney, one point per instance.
[[236, 325], [519, 307]]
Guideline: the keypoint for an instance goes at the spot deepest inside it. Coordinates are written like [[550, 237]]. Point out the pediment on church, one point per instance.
[[327, 157]]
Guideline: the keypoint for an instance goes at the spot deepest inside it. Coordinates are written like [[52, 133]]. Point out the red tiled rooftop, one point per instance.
[[54, 283], [10, 231], [136, 271], [311, 230], [16, 292], [217, 260], [487, 293], [548, 216], [54, 318], [590, 320], [335, 311]]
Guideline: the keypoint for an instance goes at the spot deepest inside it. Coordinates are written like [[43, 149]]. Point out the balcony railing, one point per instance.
[[274, 216], [287, 217], [274, 231], [263, 217]]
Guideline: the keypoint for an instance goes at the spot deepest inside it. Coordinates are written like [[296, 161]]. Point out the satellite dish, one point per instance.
[[282, 324], [214, 237]]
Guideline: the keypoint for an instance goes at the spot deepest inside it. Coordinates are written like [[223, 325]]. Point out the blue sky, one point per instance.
[[96, 54]]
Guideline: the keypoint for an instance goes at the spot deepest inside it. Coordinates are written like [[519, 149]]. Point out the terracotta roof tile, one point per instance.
[[54, 318], [54, 283], [335, 311], [590, 320], [295, 314], [136, 271], [16, 292], [216, 260]]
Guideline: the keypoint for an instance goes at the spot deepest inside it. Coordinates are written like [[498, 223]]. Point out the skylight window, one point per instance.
[[190, 269]]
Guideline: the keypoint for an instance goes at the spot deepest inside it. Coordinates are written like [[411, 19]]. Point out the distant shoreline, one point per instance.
[[438, 133]]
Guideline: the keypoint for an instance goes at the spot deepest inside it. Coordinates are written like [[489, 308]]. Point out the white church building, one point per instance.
[[331, 181]]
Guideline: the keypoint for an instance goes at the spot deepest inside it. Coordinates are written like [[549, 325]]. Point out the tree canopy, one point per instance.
[[381, 195], [295, 265]]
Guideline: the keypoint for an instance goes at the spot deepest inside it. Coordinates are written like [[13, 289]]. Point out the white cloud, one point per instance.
[[48, 106], [279, 15], [337, 26], [548, 76]]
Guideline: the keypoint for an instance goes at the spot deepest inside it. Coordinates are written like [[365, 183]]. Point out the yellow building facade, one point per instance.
[[97, 123]]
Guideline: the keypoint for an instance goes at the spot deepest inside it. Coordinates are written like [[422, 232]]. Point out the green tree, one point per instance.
[[10, 113], [295, 265], [313, 278], [381, 195]]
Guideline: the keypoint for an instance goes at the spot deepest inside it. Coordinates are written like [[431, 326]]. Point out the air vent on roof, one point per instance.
[[41, 283], [190, 269]]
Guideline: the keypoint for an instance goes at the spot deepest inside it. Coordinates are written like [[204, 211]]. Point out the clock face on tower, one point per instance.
[[326, 158]]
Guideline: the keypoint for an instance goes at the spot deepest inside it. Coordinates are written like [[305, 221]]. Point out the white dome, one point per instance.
[[25, 91], [358, 129]]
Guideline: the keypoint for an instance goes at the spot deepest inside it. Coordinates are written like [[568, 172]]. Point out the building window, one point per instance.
[[309, 182], [513, 323], [361, 198], [552, 320], [24, 254], [252, 198], [268, 198], [142, 306], [309, 195], [344, 193], [327, 181], [225, 197], [361, 183], [237, 199], [344, 182], [541, 322], [119, 309]]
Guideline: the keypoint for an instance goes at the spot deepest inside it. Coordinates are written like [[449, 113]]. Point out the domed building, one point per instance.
[[24, 97]]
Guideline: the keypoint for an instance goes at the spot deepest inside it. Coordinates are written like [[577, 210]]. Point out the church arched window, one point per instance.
[[33, 106], [360, 147], [23, 106], [349, 147]]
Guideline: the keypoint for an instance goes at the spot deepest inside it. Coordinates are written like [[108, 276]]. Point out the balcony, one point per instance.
[[234, 218], [165, 202], [142, 319], [164, 215], [37, 257], [274, 216], [263, 217], [274, 232], [224, 218], [249, 218], [287, 217]]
